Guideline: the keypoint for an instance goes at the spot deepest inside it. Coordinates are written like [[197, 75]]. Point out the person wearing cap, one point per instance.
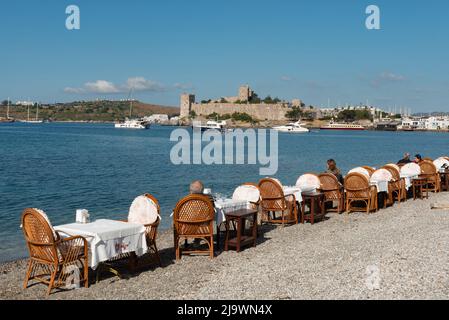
[[405, 160], [418, 159]]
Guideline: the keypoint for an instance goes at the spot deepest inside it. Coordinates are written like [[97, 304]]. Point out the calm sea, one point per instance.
[[64, 167]]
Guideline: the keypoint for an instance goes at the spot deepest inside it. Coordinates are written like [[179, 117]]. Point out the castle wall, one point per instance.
[[260, 112]]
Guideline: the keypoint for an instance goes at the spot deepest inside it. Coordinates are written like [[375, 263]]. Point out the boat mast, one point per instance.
[[37, 111], [130, 103], [28, 117], [7, 110]]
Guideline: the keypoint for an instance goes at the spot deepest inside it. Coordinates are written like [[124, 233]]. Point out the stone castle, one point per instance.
[[241, 103]]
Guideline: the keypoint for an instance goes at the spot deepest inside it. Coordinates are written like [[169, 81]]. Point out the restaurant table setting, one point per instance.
[[107, 239], [409, 172]]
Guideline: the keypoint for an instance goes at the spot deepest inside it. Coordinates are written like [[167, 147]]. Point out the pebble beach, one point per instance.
[[404, 248]]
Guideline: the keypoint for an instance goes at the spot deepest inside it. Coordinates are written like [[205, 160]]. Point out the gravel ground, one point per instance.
[[398, 253]]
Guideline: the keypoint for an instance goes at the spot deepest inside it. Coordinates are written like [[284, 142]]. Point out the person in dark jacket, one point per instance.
[[405, 160]]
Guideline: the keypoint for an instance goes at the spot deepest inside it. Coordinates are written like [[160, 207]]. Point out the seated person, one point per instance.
[[418, 159], [405, 160], [196, 187], [332, 168]]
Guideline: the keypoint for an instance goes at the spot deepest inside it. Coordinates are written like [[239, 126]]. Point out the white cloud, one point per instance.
[[101, 86], [106, 87], [142, 84]]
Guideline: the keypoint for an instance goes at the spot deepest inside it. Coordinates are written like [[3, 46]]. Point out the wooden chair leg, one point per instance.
[[28, 274], [177, 249], [158, 257], [52, 280], [212, 247], [86, 272]]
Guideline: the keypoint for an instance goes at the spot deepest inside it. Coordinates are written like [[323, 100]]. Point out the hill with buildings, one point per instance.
[[102, 110]]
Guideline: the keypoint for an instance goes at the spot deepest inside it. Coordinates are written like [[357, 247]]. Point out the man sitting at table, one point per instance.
[[333, 169], [197, 187], [405, 160]]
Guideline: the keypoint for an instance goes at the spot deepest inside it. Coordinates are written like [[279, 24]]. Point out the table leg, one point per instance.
[[303, 206], [255, 228], [312, 210], [227, 236], [239, 233], [323, 207]]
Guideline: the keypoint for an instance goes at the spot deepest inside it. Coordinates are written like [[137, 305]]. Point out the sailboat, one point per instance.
[[130, 123], [36, 120], [7, 119]]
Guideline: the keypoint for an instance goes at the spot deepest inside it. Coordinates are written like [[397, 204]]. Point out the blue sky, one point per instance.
[[313, 50]]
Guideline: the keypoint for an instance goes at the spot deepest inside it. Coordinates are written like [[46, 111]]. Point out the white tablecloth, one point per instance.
[[223, 206], [408, 179], [108, 239], [296, 191], [382, 186]]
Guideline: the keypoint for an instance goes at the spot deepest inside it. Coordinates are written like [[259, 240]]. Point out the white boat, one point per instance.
[[36, 120], [133, 124], [342, 126], [211, 125], [292, 128], [129, 123]]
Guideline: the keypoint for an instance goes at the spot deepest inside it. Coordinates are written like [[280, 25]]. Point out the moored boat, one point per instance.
[[133, 124], [211, 125], [342, 126], [292, 128]]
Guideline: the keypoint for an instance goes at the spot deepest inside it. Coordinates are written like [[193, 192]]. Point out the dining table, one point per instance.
[[107, 239]]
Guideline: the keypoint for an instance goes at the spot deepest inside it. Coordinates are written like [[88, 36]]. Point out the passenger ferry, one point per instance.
[[342, 126]]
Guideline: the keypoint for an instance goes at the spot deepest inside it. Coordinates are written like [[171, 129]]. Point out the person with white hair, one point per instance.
[[405, 160]]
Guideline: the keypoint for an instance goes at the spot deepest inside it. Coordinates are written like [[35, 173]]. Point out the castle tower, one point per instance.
[[186, 104], [245, 93]]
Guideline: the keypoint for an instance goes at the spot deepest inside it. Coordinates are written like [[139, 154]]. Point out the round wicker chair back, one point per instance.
[[39, 236], [194, 215], [357, 185], [272, 195], [428, 168], [394, 172]]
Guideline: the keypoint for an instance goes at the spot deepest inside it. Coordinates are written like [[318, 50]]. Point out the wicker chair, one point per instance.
[[53, 260], [193, 218], [150, 234], [396, 187], [333, 191], [430, 172], [358, 189], [371, 170], [274, 201]]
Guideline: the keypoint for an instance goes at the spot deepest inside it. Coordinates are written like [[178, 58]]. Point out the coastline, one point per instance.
[[328, 260]]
